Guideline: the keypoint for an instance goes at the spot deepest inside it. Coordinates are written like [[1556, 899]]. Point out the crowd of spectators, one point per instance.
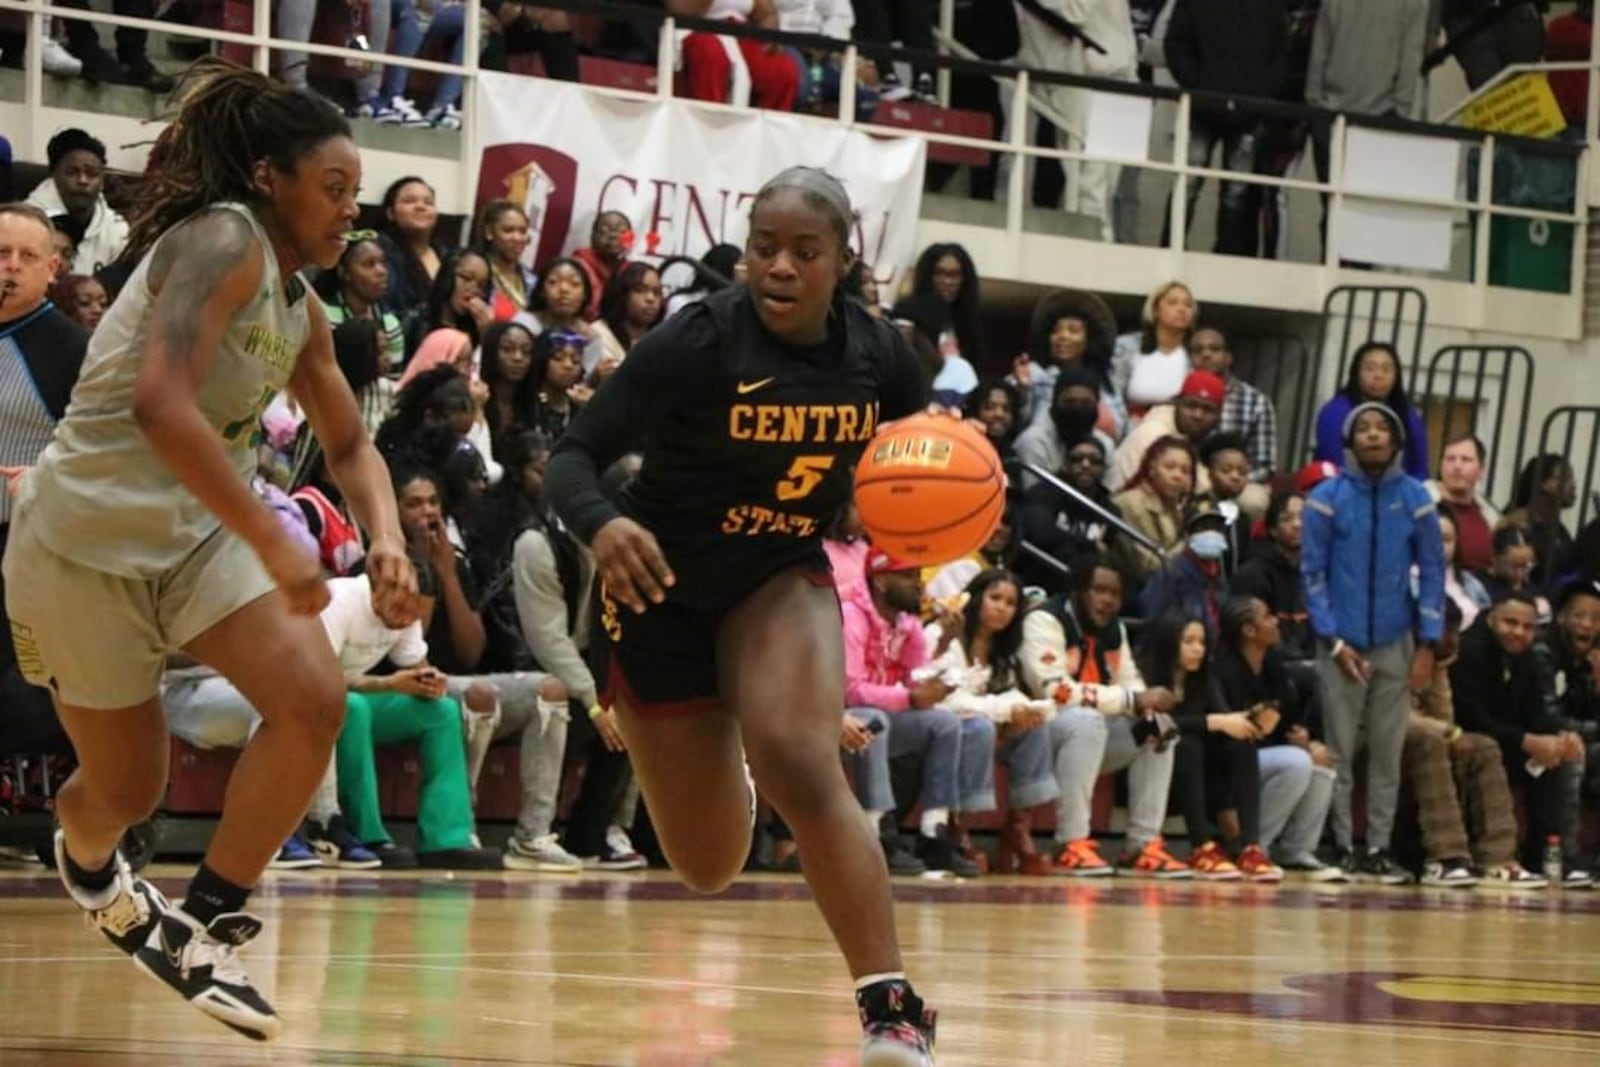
[[1238, 633], [1194, 608]]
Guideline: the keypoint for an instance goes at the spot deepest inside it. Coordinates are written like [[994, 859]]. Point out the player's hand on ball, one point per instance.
[[629, 560], [298, 574], [394, 583]]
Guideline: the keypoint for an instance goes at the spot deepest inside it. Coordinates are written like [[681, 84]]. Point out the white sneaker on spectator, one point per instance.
[[543, 853], [617, 840], [400, 111], [925, 90], [1577, 878], [366, 110], [19, 857], [617, 855], [1312, 869], [1449, 874], [445, 118], [57, 60]]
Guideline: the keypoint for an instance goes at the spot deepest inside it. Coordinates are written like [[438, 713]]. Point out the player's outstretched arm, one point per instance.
[[204, 272], [360, 472]]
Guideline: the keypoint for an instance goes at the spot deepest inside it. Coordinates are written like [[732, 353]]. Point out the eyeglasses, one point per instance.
[[1086, 459]]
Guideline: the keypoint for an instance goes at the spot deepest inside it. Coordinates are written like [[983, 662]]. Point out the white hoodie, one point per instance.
[[1108, 22], [830, 18], [102, 242]]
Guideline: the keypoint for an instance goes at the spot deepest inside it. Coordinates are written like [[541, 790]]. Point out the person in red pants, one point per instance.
[[707, 69]]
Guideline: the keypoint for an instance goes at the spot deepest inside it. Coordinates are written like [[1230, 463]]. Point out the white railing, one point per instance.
[[1024, 104]]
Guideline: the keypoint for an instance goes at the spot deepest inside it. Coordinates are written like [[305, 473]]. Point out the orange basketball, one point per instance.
[[930, 489]]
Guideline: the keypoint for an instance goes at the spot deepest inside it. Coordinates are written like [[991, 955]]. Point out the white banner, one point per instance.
[[683, 175]]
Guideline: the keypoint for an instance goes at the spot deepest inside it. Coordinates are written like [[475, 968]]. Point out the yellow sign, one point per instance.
[[1524, 106]]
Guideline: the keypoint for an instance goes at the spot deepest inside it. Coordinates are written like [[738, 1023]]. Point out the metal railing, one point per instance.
[[1478, 203], [1486, 390], [1281, 366], [1573, 432]]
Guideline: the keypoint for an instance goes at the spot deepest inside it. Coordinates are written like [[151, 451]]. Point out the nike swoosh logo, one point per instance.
[[174, 955], [750, 387]]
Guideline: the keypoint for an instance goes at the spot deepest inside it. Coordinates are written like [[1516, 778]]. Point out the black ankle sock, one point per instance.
[[889, 1001], [93, 881], [211, 895]]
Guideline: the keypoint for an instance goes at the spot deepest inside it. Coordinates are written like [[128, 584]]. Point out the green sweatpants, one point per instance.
[[444, 810]]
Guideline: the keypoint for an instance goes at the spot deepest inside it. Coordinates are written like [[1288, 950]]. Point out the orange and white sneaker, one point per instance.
[[1081, 859], [1256, 867], [1211, 864], [1153, 861]]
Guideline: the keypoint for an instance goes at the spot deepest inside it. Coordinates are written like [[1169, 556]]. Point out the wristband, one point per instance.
[[595, 711]]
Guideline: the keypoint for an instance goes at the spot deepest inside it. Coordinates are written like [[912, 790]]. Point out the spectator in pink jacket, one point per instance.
[[893, 711]]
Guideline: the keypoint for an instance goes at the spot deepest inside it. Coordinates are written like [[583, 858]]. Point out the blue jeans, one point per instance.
[[450, 24], [406, 42], [934, 734], [1030, 769], [820, 83]]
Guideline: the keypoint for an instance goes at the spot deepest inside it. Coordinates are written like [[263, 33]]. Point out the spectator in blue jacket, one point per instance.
[[1365, 531], [1375, 375]]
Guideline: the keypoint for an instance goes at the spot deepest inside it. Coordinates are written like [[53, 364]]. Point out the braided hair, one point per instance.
[[231, 118]]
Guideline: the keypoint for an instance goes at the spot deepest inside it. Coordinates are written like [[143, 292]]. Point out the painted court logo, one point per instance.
[[542, 182]]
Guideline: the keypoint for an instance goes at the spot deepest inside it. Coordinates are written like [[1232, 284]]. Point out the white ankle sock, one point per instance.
[[932, 819], [873, 979], [873, 819]]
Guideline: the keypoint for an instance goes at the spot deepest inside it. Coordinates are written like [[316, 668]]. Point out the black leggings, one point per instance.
[[605, 779], [1213, 772]]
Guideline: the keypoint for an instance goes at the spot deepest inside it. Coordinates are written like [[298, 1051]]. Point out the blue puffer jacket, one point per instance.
[[1362, 538]]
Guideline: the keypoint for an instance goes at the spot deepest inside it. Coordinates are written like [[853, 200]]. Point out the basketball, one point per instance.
[[930, 489]]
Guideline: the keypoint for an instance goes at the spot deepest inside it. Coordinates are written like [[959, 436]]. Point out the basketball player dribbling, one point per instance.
[[723, 634], [137, 532]]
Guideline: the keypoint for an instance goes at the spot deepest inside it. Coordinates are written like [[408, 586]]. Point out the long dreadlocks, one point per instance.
[[231, 118]]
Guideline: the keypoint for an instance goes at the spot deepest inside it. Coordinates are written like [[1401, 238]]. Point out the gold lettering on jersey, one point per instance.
[[754, 520], [795, 424], [270, 347], [913, 452]]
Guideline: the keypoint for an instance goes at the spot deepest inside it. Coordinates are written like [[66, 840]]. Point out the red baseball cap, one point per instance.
[[1314, 474], [880, 562], [1205, 385]]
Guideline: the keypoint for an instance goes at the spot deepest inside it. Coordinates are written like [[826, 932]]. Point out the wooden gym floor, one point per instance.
[[632, 971]]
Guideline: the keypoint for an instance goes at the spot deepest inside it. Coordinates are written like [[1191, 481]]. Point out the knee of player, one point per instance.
[[706, 878], [133, 801], [312, 702]]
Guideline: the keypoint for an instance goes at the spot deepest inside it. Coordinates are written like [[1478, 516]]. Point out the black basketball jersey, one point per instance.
[[749, 444]]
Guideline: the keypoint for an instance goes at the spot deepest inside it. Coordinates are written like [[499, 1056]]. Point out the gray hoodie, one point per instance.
[[1366, 56]]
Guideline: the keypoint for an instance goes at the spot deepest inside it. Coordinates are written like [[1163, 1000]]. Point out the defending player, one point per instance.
[[138, 533]]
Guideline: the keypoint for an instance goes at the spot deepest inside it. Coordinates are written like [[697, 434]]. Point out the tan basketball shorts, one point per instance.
[[100, 640]]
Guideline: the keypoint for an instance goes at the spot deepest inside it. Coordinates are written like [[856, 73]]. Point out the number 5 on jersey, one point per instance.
[[803, 477]]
